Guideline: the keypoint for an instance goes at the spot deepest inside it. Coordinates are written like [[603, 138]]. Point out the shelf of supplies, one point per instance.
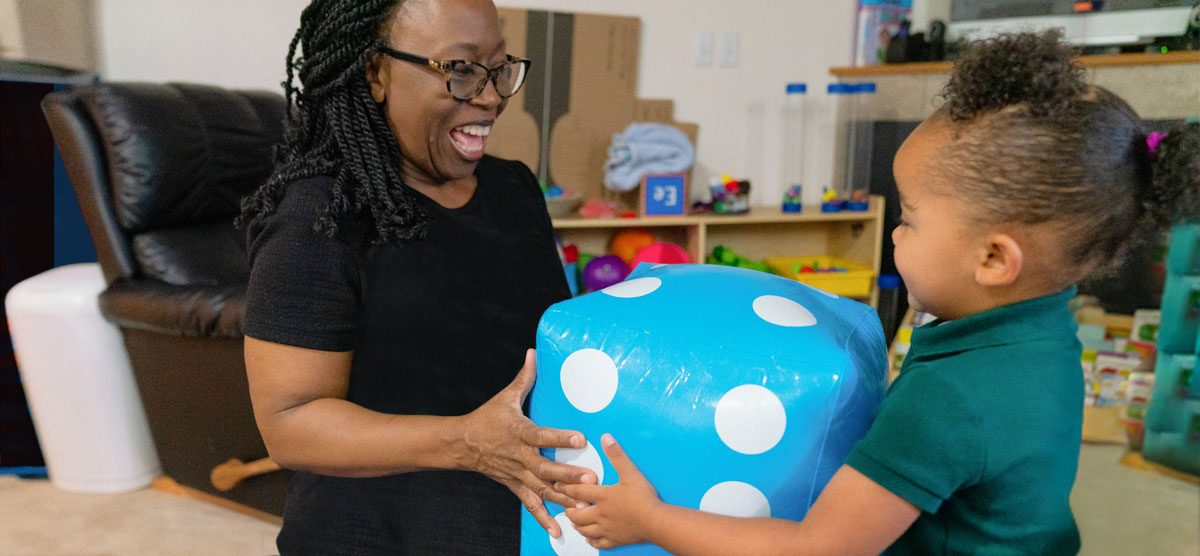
[[1096, 61], [763, 232], [757, 215]]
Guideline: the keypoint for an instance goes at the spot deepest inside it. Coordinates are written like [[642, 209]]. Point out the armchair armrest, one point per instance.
[[190, 311]]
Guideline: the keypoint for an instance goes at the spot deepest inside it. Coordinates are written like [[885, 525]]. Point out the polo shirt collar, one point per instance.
[[1015, 323]]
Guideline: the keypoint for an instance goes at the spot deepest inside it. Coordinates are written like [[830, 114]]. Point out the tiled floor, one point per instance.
[[1121, 511]]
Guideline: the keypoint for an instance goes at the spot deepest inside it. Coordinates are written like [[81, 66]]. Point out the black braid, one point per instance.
[[334, 128]]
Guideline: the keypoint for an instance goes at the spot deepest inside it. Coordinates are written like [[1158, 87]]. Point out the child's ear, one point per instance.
[[377, 77], [1001, 261]]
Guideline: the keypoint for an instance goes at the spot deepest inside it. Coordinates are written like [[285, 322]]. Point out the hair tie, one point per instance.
[[1152, 141]]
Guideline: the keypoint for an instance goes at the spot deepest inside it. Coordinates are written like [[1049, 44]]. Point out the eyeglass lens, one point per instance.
[[468, 80]]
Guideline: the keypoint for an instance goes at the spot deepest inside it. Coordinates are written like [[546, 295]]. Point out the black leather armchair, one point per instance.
[[159, 171]]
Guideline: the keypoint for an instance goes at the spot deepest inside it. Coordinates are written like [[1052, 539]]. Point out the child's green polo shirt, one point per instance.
[[981, 431]]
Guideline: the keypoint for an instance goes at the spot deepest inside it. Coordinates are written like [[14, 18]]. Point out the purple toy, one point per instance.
[[604, 271]]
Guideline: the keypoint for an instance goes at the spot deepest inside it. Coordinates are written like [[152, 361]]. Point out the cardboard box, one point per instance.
[[580, 91], [1102, 425]]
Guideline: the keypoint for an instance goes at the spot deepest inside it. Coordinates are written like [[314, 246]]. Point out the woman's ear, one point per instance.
[[1001, 262], [378, 77]]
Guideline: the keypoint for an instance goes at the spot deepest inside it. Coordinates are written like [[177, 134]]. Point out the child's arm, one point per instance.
[[853, 515]]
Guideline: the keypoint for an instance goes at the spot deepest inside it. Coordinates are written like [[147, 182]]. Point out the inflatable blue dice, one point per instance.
[[735, 391]]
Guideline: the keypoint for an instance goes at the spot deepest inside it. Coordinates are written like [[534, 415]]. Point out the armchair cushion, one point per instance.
[[190, 311]]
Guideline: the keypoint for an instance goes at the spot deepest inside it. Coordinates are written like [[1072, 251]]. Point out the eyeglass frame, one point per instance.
[[447, 67]]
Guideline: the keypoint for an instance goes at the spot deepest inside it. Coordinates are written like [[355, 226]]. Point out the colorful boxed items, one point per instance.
[[731, 196], [792, 201], [735, 392], [832, 274]]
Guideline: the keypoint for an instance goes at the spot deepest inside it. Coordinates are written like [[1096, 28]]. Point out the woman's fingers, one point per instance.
[[546, 437], [533, 503], [521, 385], [554, 472], [549, 494], [585, 493]]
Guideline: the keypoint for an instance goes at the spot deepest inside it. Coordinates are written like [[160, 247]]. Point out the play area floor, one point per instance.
[[1121, 510]]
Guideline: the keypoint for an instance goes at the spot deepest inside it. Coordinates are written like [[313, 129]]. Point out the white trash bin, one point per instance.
[[82, 397]]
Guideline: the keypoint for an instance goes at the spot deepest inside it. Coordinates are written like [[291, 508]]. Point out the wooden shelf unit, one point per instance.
[[1097, 61], [764, 232]]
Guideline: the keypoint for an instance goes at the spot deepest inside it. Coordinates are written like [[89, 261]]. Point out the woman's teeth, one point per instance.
[[470, 139], [477, 130]]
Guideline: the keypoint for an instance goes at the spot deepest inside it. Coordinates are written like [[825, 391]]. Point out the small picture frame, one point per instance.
[[664, 195]]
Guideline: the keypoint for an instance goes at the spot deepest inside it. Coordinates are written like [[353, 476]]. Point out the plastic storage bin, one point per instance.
[[854, 281], [1183, 252], [1179, 330], [85, 406], [1172, 426]]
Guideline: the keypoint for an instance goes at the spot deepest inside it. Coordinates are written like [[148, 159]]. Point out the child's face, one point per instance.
[[933, 240]]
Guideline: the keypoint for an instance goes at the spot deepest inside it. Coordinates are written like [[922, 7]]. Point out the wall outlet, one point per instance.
[[731, 46], [703, 46]]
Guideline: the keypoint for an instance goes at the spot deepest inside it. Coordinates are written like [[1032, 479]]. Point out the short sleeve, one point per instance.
[[532, 188], [925, 443], [304, 287]]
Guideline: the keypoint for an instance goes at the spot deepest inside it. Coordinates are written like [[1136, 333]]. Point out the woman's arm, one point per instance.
[[853, 515], [299, 398]]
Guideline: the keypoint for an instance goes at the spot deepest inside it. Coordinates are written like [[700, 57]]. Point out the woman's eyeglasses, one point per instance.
[[466, 80]]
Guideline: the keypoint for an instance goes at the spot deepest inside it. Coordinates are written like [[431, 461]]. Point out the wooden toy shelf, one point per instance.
[[764, 232]]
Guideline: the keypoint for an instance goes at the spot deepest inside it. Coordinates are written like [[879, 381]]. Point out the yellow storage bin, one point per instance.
[[856, 281]]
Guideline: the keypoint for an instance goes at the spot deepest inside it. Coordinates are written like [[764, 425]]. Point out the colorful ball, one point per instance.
[[604, 271], [661, 253], [627, 243]]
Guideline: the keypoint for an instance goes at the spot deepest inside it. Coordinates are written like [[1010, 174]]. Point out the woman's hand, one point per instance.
[[619, 514], [500, 442]]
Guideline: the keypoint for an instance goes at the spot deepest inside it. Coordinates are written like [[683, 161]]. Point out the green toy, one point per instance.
[[725, 256]]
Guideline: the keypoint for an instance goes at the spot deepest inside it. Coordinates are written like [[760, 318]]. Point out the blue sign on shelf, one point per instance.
[[664, 195]]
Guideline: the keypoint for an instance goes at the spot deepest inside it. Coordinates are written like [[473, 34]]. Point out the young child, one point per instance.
[[1026, 181]]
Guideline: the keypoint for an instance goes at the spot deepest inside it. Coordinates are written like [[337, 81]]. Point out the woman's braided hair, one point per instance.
[[335, 128]]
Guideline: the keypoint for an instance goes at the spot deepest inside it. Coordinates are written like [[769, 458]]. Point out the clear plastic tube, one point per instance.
[[860, 144], [793, 145]]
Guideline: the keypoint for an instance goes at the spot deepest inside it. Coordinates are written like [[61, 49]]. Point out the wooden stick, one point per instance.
[[1136, 461], [227, 475]]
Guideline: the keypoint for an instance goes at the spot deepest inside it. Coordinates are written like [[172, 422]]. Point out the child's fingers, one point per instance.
[[592, 531], [582, 517], [587, 493], [616, 455], [602, 543]]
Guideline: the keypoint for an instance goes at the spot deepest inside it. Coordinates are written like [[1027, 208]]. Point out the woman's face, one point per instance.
[[441, 138]]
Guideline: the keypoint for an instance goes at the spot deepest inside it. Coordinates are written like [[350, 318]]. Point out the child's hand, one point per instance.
[[619, 513]]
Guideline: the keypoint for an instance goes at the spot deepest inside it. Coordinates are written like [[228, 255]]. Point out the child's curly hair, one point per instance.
[[1034, 143]]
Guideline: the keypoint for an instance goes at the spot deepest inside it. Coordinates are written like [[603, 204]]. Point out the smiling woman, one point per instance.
[[380, 366]]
